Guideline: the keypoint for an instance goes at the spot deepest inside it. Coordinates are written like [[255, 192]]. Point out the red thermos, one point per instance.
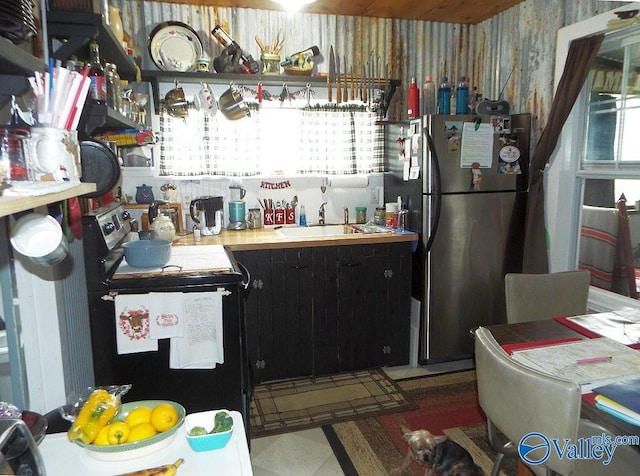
[[413, 100]]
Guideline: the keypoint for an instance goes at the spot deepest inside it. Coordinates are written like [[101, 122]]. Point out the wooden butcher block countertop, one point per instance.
[[265, 238]]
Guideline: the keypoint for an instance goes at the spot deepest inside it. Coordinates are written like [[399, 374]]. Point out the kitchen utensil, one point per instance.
[[338, 86], [20, 454], [205, 100], [345, 93], [206, 213], [100, 166], [13, 154], [332, 74], [40, 238], [232, 104], [237, 220], [175, 46], [147, 253], [176, 102]]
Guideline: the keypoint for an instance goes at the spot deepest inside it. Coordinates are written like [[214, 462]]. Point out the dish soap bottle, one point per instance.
[[303, 216]]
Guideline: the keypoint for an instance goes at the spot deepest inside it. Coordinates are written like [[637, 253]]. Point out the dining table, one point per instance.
[[548, 331]]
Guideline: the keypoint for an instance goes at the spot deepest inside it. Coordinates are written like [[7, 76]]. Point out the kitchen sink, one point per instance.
[[319, 231]]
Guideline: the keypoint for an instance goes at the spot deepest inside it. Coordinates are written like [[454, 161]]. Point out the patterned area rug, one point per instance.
[[447, 404], [294, 405]]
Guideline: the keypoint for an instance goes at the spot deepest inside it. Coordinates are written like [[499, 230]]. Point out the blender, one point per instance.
[[237, 217]]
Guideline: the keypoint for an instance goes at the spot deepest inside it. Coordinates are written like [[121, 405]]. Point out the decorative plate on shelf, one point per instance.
[[175, 46]]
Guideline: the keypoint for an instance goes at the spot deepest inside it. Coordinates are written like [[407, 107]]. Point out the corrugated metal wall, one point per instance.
[[521, 39]]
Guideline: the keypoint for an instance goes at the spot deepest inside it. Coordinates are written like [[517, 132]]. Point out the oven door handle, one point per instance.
[[246, 276]]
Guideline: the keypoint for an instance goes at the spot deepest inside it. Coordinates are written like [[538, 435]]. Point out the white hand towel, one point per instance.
[[166, 315], [202, 345], [132, 324]]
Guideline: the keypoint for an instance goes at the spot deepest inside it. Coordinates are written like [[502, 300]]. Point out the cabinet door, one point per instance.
[[374, 304], [396, 304], [258, 313], [278, 310], [326, 355]]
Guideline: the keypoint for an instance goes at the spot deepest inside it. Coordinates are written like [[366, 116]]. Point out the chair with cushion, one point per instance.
[[518, 400], [532, 297]]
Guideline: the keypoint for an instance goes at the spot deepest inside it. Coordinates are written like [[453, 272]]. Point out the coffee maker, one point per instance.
[[207, 213], [237, 216]]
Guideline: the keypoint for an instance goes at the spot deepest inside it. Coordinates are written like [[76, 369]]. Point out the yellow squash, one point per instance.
[[97, 411]]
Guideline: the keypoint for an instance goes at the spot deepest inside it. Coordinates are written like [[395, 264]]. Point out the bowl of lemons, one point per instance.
[[139, 429]]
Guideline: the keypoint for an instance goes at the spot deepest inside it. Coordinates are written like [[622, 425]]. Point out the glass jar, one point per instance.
[[379, 216], [114, 87], [361, 215]]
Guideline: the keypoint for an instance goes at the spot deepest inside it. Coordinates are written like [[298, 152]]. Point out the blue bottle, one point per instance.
[[462, 96], [444, 97]]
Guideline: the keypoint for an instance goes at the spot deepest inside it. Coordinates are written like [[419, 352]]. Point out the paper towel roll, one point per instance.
[[348, 181]]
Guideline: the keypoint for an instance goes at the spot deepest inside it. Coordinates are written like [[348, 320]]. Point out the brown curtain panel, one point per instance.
[[580, 58]]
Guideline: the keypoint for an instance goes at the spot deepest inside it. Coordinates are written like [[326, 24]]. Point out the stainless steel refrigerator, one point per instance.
[[464, 180]]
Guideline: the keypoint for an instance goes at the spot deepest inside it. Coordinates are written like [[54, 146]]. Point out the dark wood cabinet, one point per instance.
[[314, 311]]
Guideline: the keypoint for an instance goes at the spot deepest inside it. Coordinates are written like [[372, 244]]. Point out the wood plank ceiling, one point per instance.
[[447, 11]]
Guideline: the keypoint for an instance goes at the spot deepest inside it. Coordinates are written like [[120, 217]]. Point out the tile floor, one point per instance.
[[307, 453]]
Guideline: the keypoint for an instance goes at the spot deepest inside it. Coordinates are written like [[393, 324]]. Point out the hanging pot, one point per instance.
[[176, 102], [232, 104]]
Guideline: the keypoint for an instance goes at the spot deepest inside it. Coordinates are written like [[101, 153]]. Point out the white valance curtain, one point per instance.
[[314, 140]]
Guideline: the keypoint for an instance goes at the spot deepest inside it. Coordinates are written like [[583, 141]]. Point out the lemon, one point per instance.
[[164, 416], [103, 437], [138, 415], [141, 431]]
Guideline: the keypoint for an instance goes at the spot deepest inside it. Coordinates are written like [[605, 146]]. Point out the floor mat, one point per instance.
[[298, 404]]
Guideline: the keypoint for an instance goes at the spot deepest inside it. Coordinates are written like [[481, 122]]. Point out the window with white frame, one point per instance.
[[609, 170]]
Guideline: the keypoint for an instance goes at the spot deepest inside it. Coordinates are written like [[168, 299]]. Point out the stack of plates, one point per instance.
[[17, 21]]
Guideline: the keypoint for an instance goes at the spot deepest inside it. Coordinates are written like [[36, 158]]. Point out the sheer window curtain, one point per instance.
[[318, 140]]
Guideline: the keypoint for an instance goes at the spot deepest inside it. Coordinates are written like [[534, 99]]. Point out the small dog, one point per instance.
[[440, 455]]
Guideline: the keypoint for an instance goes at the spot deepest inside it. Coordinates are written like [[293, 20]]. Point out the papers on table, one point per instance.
[[621, 399], [562, 361], [622, 326]]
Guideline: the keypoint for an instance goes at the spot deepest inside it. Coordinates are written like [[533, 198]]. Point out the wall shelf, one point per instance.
[[76, 29], [10, 205], [157, 77]]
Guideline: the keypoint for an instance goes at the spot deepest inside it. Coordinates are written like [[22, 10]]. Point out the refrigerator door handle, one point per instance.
[[434, 191]]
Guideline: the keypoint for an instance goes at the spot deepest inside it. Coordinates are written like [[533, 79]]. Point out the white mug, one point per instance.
[[205, 100]]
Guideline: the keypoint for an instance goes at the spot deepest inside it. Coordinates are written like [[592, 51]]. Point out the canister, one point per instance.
[[270, 64], [255, 218], [379, 216], [361, 215], [391, 215]]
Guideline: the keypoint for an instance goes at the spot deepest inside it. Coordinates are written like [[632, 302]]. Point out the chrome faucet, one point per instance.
[[345, 212], [321, 214]]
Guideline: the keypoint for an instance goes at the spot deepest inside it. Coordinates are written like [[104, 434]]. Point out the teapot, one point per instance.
[[163, 228]]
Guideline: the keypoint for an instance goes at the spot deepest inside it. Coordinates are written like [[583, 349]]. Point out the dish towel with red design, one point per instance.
[[132, 324]]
